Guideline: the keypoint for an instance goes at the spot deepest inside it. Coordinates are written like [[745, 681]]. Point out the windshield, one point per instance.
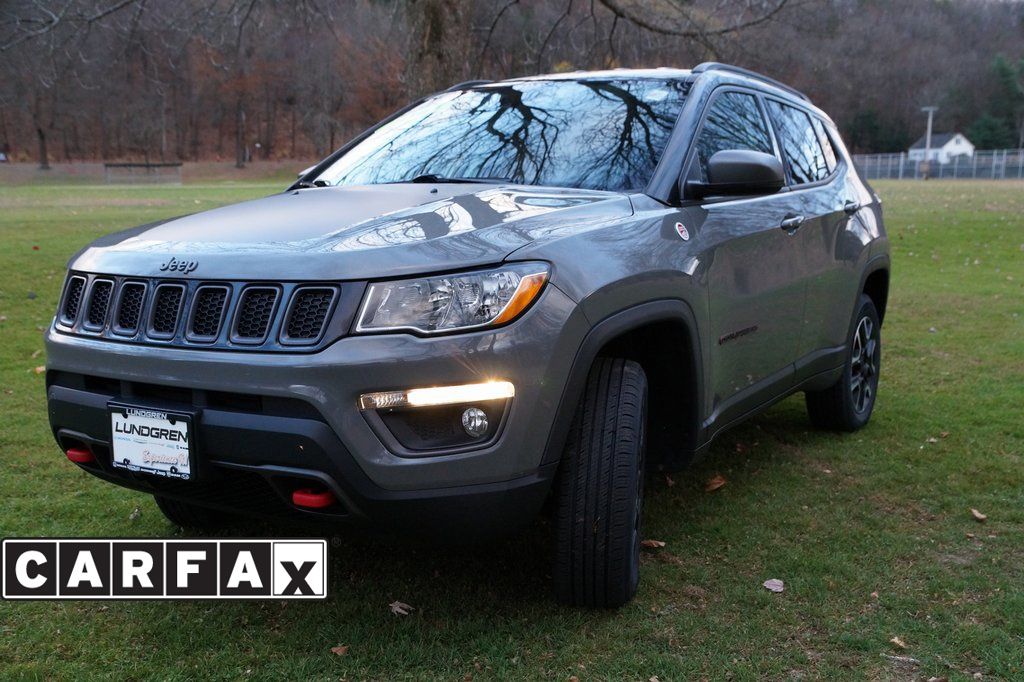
[[593, 134]]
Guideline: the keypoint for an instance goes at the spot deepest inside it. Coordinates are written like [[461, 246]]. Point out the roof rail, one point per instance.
[[467, 84], [718, 66]]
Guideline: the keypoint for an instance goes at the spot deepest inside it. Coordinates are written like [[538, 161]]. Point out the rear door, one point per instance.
[[754, 273], [815, 180]]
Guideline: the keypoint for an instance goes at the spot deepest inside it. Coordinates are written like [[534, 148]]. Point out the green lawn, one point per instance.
[[872, 532]]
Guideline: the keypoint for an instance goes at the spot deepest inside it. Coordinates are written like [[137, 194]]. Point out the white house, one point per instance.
[[945, 146]]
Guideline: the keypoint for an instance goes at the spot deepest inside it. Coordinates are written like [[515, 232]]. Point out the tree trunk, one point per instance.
[[44, 159], [239, 134], [293, 133]]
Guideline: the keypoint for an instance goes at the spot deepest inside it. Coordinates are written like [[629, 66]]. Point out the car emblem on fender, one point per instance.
[[182, 266], [683, 233]]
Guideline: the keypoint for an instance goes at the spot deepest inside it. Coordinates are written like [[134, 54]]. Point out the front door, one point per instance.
[[754, 270]]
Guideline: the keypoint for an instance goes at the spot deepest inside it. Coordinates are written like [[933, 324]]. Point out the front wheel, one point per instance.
[[847, 405], [600, 492]]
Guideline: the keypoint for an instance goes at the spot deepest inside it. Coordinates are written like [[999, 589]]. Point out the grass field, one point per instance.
[[872, 532]]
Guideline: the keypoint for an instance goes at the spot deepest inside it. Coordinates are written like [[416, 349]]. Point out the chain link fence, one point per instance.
[[992, 164]]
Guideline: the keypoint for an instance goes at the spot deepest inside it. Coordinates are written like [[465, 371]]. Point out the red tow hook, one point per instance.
[[80, 456], [313, 499]]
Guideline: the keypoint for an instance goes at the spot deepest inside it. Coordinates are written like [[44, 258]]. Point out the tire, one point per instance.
[[847, 405], [188, 515], [599, 494]]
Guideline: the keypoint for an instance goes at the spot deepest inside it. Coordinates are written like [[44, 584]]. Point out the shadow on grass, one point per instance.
[[513, 573]]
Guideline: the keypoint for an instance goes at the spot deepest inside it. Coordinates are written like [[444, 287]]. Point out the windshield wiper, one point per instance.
[[306, 184], [433, 177]]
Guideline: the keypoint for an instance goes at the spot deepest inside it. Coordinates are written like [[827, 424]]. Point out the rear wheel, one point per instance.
[[189, 515], [847, 405], [599, 498]]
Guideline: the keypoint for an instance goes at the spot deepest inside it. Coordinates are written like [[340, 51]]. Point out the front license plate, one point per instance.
[[152, 441]]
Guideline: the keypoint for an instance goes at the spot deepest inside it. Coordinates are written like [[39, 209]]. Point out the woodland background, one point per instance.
[[243, 80]]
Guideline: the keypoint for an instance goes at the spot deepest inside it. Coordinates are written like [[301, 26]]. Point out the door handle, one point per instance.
[[791, 223], [851, 207]]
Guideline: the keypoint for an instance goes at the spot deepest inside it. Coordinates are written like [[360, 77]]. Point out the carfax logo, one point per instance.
[[164, 569]]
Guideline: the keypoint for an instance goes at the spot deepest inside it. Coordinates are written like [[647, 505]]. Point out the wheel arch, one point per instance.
[[663, 337], [875, 283]]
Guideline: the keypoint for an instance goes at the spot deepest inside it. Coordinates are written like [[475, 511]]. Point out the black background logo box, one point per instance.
[[204, 575]]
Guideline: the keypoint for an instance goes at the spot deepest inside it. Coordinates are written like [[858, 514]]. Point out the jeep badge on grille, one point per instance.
[[182, 266]]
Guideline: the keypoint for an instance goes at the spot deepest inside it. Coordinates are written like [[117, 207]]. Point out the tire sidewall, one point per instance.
[[865, 308]]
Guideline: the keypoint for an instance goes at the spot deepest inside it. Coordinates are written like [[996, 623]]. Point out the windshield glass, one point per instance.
[[593, 134]]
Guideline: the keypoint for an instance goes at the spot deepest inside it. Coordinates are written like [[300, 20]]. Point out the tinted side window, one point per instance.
[[799, 143], [733, 122], [826, 145]]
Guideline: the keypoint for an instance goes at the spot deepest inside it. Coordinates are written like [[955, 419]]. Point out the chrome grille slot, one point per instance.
[[72, 300], [99, 304], [129, 307], [255, 311], [166, 309], [207, 312], [308, 313]]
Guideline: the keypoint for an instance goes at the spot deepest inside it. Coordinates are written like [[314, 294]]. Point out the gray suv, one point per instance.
[[507, 296]]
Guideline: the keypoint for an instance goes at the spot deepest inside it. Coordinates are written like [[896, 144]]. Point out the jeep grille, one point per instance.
[[282, 316]]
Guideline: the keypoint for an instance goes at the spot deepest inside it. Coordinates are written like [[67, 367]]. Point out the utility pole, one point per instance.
[[928, 140]]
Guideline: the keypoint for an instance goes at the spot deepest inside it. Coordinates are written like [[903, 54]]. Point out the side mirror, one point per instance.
[[740, 172], [303, 172]]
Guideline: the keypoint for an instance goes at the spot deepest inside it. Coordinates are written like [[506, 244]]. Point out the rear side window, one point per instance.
[[799, 143], [733, 122], [826, 145]]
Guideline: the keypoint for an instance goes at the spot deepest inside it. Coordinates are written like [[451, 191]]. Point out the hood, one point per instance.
[[359, 232]]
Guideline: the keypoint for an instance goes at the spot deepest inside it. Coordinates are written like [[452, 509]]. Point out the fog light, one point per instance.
[[474, 421]]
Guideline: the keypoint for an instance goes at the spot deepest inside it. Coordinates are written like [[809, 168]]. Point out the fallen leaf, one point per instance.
[[136, 513], [715, 483], [774, 585], [874, 595], [652, 544], [653, 678], [898, 642], [400, 608], [40, 369], [35, 248], [932, 439], [573, 678], [938, 679], [668, 481], [944, 434], [37, 353], [978, 516], [970, 536], [339, 650]]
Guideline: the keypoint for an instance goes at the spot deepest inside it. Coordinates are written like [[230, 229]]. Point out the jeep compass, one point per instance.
[[506, 297]]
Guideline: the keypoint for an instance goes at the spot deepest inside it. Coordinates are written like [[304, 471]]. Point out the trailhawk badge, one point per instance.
[[683, 233]]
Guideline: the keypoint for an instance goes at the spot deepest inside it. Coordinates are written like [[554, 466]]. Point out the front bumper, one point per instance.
[[282, 418]]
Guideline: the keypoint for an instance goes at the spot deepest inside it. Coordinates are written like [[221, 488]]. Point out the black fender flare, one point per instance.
[[612, 326], [874, 264]]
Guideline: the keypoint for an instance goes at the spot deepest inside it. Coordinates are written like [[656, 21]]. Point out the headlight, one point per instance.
[[446, 303]]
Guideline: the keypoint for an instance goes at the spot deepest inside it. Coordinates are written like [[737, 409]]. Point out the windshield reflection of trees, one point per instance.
[[596, 134]]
